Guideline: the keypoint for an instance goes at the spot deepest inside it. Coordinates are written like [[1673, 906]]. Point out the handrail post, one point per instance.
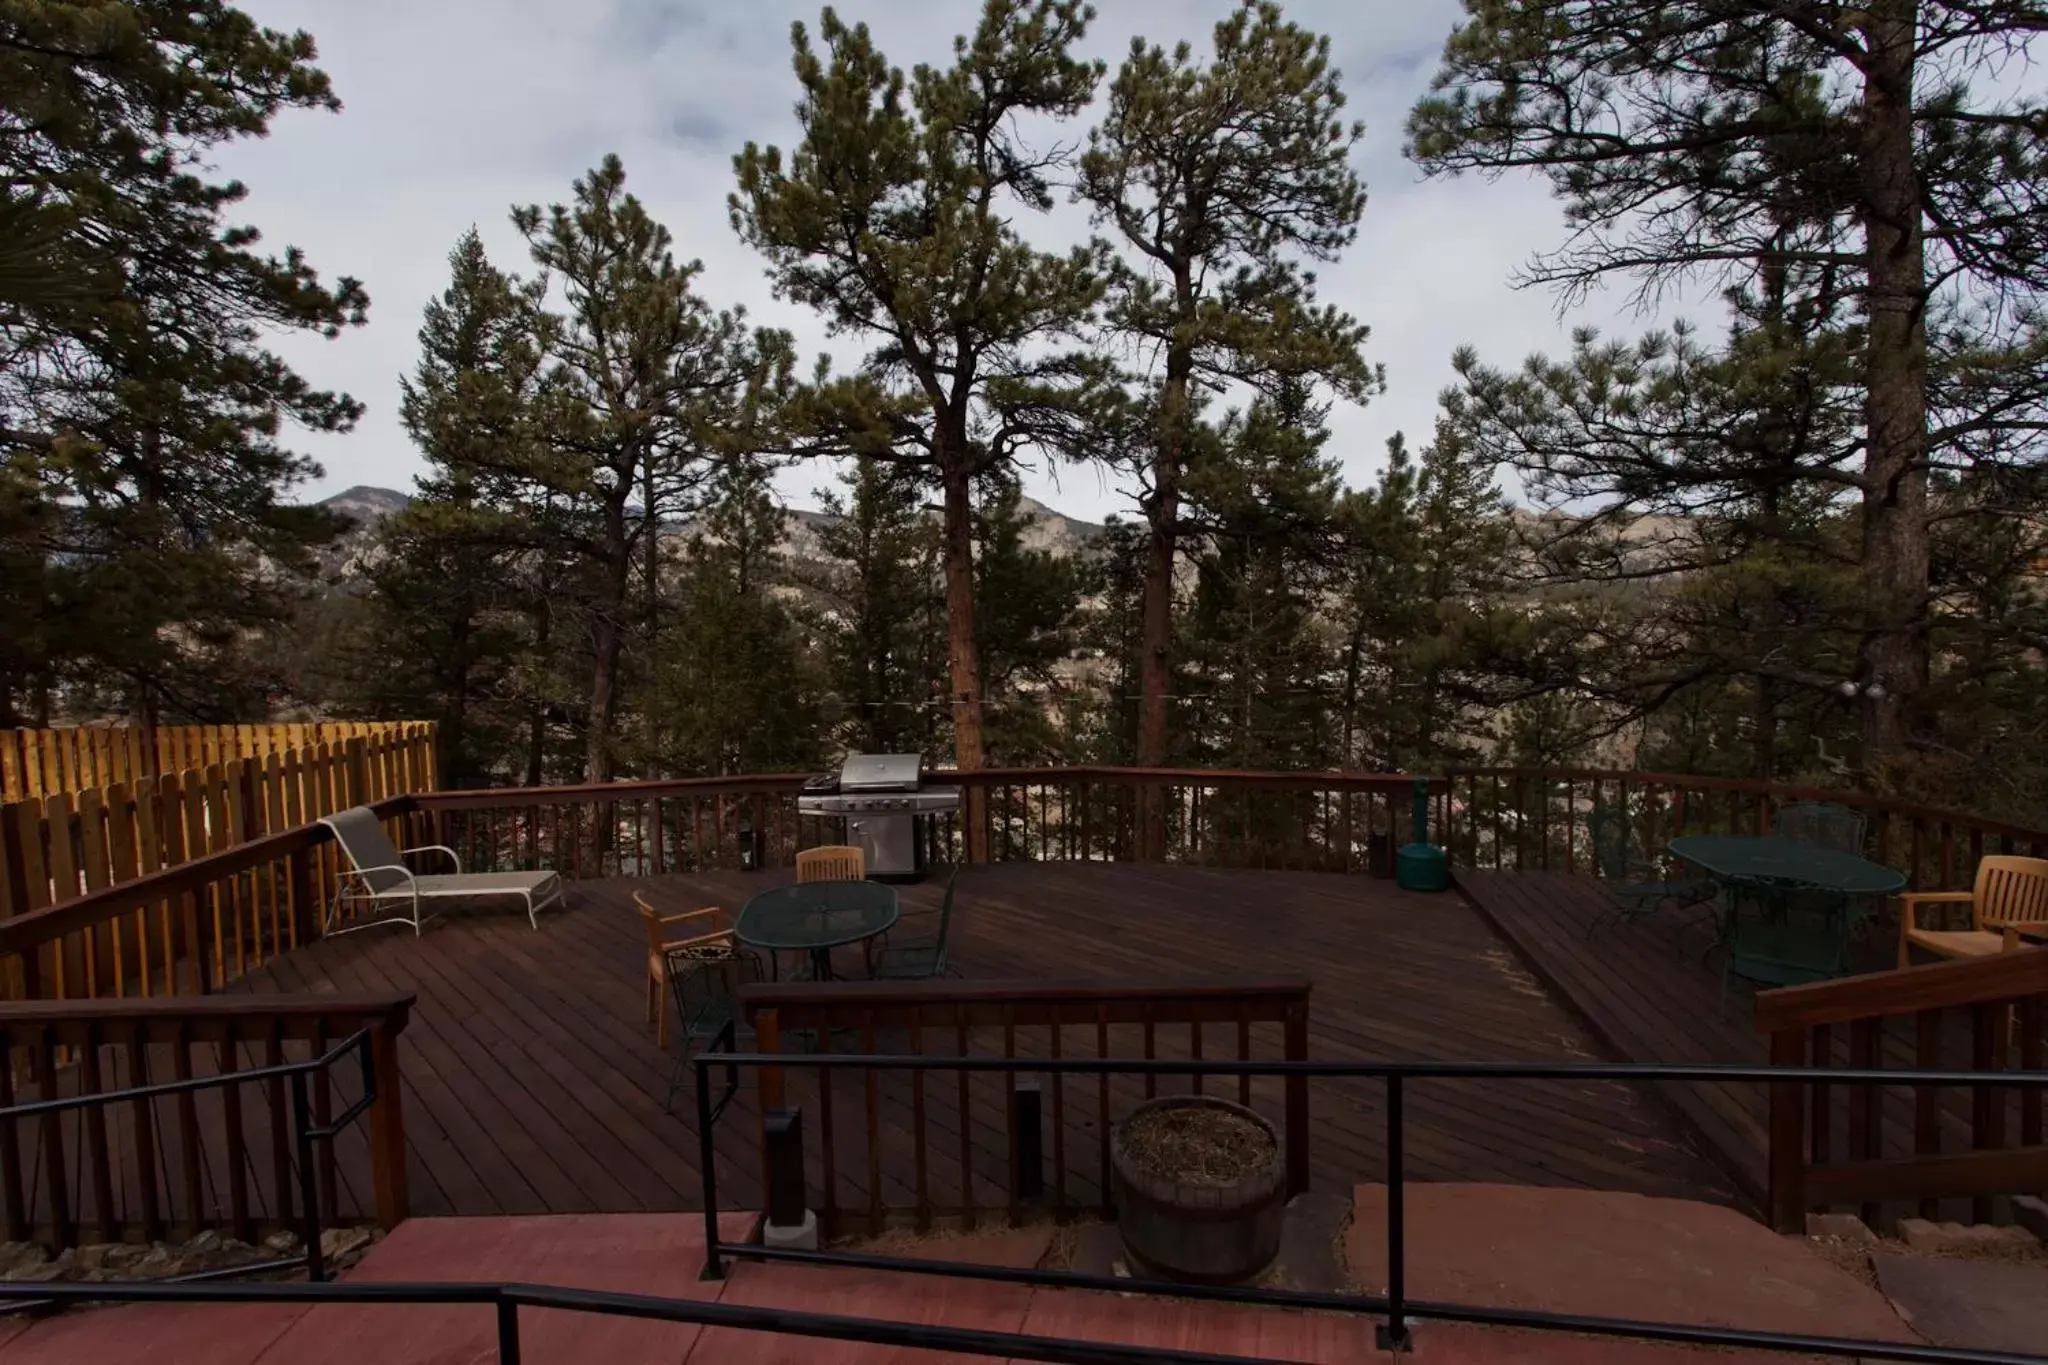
[[387, 1124], [309, 1186], [1393, 1334], [707, 1161], [508, 1329], [1295, 1045]]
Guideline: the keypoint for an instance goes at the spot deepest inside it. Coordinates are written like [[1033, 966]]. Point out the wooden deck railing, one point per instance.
[[217, 1158], [960, 1150], [1866, 1144], [1335, 822], [1516, 818]]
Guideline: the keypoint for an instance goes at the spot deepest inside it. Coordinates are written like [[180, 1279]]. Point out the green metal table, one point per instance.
[[1772, 871], [815, 918], [1787, 864]]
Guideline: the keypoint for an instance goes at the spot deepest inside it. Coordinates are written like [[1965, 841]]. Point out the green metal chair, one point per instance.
[[925, 957], [1822, 824], [704, 982], [1636, 887]]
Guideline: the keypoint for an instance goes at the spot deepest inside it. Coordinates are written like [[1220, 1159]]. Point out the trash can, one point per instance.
[[1420, 865]]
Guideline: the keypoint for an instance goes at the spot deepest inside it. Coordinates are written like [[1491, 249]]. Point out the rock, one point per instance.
[[41, 1274], [336, 1243], [19, 1256], [1975, 1305], [93, 1257], [154, 1263], [281, 1243], [1845, 1227], [204, 1244], [2030, 1210], [1936, 1238], [123, 1255], [1097, 1249], [1309, 1239]]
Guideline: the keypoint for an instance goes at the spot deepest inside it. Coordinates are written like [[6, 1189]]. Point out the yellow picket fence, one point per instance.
[[75, 758], [58, 847]]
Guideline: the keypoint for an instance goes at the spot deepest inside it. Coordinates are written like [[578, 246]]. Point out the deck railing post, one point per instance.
[[387, 1124], [1787, 1196]]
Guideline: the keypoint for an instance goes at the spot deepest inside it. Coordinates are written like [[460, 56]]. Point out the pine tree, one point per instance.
[[1220, 180], [1728, 139], [455, 581], [1029, 624], [881, 608], [143, 525], [892, 218], [648, 391], [1260, 654], [1432, 642], [732, 689]]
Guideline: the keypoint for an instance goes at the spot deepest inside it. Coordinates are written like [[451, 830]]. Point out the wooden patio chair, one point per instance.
[[831, 863], [664, 952], [2009, 901], [923, 956]]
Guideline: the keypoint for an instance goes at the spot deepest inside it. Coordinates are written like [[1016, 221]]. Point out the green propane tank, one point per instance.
[[1421, 866]]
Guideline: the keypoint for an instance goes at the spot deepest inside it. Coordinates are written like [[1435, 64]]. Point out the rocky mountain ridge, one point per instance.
[[1045, 528]]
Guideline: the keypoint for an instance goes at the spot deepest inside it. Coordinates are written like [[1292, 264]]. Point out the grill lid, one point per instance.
[[881, 772]]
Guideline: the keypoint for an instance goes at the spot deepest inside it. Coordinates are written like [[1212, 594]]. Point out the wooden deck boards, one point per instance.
[[1648, 995], [532, 1083]]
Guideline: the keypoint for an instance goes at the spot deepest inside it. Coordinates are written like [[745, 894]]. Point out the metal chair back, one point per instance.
[[1822, 824]]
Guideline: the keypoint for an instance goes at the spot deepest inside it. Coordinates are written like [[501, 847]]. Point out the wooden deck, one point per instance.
[[1650, 992], [532, 1083]]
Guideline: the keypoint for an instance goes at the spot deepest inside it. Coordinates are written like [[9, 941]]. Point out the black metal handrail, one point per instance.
[[305, 1135], [509, 1298], [1395, 1305]]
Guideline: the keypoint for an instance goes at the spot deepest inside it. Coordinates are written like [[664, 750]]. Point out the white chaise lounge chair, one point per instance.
[[380, 876]]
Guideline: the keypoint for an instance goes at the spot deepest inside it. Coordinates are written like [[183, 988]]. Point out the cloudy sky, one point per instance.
[[455, 110]]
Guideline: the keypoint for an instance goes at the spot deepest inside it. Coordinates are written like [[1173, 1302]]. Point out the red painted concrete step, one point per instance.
[[1622, 1256]]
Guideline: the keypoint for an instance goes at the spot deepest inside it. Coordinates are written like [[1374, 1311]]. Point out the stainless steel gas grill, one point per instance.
[[883, 799]]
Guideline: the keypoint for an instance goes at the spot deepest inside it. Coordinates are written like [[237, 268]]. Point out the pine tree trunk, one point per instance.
[[607, 645], [1895, 549], [963, 655], [1162, 515]]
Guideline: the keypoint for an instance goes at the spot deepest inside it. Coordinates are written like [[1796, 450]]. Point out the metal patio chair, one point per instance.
[[1636, 885], [924, 956]]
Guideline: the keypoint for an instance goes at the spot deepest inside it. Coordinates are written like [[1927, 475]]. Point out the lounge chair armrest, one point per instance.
[[364, 872], [453, 857]]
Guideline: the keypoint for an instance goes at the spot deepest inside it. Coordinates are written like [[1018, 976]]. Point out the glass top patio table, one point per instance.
[[1785, 864]]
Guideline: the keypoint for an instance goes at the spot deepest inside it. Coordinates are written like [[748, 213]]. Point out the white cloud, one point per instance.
[[458, 109]]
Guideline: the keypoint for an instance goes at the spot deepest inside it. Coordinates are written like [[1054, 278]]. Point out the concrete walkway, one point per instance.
[[661, 1253]]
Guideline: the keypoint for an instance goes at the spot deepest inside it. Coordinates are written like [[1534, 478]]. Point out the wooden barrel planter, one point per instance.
[[1200, 1188]]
